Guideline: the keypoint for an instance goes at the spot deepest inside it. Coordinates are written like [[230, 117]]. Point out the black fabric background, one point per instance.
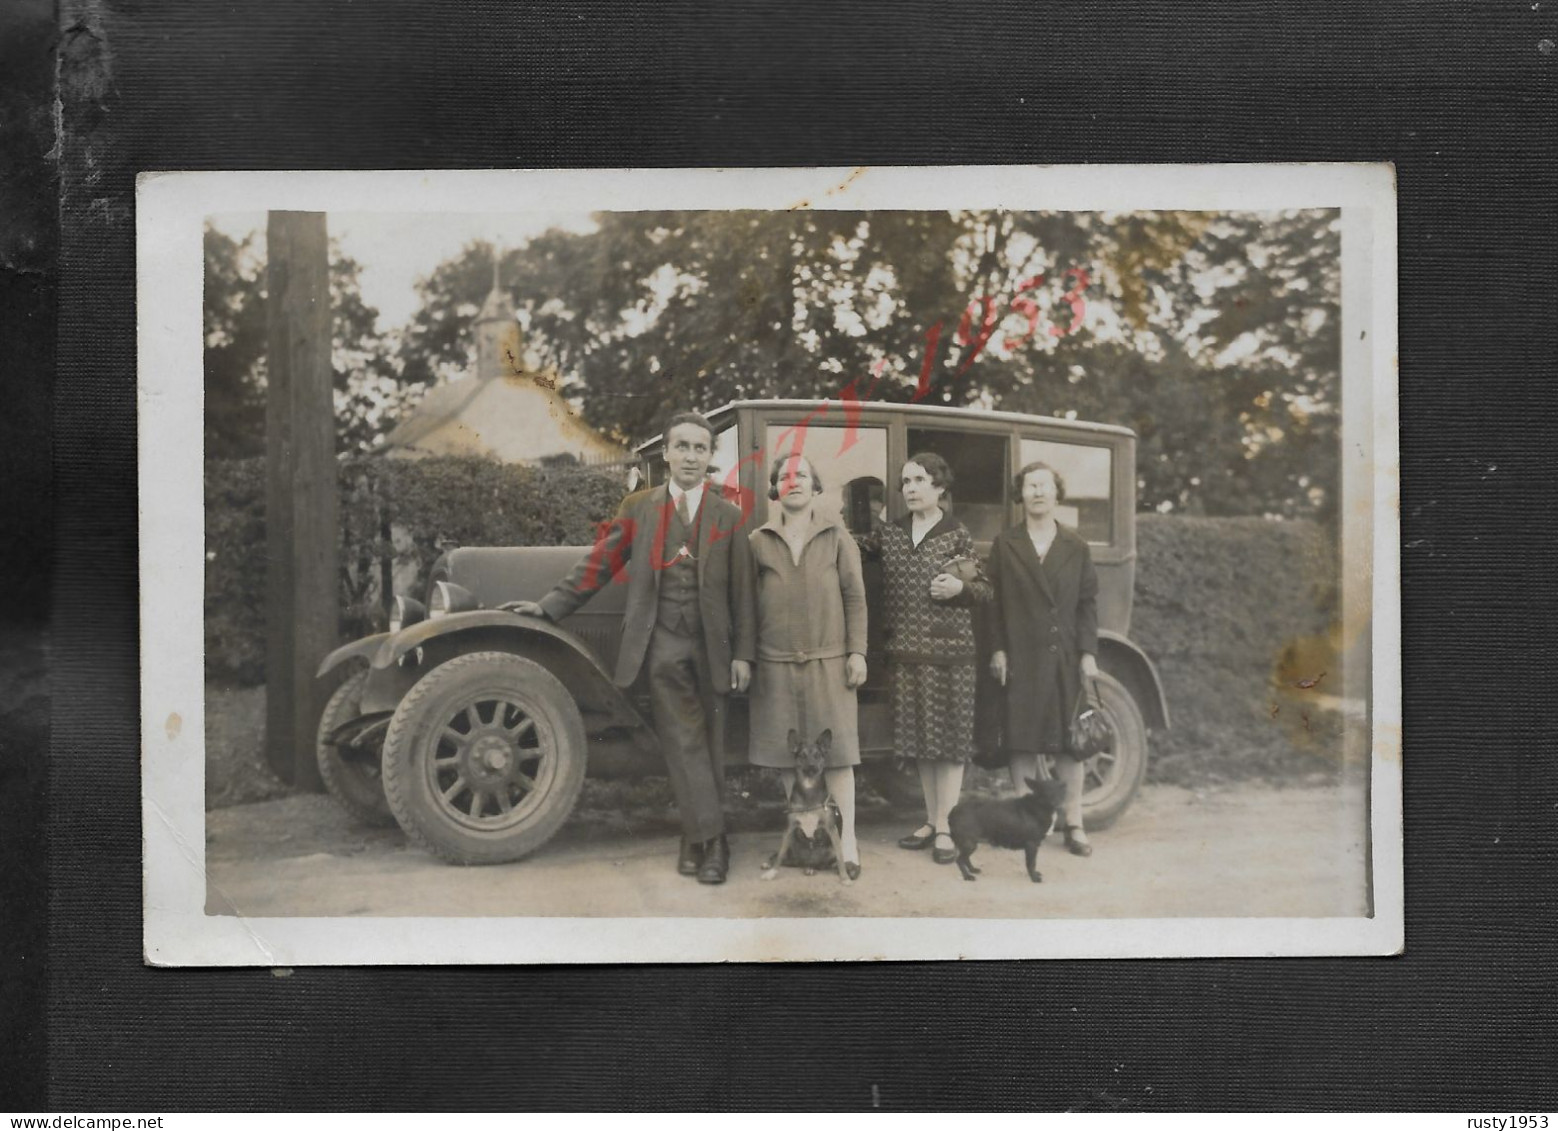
[[1461, 97]]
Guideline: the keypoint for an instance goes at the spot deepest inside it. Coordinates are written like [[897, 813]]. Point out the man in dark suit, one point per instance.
[[690, 625]]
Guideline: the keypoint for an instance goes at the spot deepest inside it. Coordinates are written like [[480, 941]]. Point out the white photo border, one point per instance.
[[170, 210]]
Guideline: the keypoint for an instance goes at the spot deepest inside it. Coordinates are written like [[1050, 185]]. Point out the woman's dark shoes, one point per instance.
[[716, 861], [918, 839], [690, 859], [944, 855], [1076, 841], [852, 869]]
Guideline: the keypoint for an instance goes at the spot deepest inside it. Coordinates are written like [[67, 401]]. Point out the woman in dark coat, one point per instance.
[[1044, 632]]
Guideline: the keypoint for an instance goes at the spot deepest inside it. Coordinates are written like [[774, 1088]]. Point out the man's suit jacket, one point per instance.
[[634, 548]]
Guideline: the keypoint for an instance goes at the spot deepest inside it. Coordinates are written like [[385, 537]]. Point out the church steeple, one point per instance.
[[497, 333]]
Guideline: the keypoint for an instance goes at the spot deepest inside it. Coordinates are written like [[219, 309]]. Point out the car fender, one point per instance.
[[557, 649], [366, 648], [1129, 664]]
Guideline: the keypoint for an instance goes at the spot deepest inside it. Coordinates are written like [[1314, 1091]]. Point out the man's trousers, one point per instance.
[[689, 718]]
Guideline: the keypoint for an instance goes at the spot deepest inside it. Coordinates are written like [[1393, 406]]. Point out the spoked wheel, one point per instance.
[[1112, 778], [351, 773], [484, 758]]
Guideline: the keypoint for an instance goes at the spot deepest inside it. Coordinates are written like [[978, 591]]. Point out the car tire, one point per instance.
[[1112, 778], [484, 758], [354, 780]]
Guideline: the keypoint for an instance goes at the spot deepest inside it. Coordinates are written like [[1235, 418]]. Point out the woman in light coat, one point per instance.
[[811, 638]]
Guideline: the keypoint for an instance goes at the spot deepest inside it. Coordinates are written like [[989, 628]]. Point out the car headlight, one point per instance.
[[406, 613], [449, 598]]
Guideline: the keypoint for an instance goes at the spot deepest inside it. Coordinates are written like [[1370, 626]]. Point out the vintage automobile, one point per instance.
[[474, 728]]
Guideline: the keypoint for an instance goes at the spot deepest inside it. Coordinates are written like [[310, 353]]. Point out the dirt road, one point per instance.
[[1239, 851]]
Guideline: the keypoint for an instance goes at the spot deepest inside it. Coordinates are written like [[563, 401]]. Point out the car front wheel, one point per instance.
[[484, 758]]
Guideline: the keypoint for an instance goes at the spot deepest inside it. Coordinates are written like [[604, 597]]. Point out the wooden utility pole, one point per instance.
[[301, 508]]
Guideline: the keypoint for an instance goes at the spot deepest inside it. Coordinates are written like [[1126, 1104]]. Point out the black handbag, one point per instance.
[[1090, 732]]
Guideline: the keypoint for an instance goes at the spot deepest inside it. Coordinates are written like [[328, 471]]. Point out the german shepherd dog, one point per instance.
[[1012, 822], [809, 813]]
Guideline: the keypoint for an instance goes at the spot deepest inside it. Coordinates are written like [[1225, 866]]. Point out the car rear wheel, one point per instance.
[[484, 758], [1113, 777], [351, 773]]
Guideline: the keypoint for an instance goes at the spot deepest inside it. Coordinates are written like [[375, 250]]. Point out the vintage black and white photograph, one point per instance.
[[761, 565]]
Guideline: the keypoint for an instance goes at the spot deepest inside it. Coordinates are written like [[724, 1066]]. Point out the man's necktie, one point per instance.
[[681, 509]]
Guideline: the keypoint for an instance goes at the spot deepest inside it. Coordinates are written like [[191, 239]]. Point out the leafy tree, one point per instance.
[[234, 347], [1215, 336], [370, 395], [368, 392]]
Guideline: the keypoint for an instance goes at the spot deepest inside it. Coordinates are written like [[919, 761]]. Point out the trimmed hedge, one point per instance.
[[235, 570], [1233, 611], [470, 501]]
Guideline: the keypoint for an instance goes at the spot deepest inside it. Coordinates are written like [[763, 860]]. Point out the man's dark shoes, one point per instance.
[[690, 859], [716, 861]]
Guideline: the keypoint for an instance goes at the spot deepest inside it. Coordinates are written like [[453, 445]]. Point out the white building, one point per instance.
[[502, 410]]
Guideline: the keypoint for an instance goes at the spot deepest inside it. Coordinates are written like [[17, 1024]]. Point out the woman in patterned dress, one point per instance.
[[932, 581]]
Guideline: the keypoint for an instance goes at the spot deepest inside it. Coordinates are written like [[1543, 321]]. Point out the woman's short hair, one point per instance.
[[1039, 465], [688, 418], [939, 470], [778, 466]]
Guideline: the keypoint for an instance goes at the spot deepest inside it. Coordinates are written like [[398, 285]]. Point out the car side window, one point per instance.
[[852, 464], [1088, 470], [979, 475]]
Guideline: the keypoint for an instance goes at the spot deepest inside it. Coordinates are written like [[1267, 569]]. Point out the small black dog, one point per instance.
[[1013, 822]]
